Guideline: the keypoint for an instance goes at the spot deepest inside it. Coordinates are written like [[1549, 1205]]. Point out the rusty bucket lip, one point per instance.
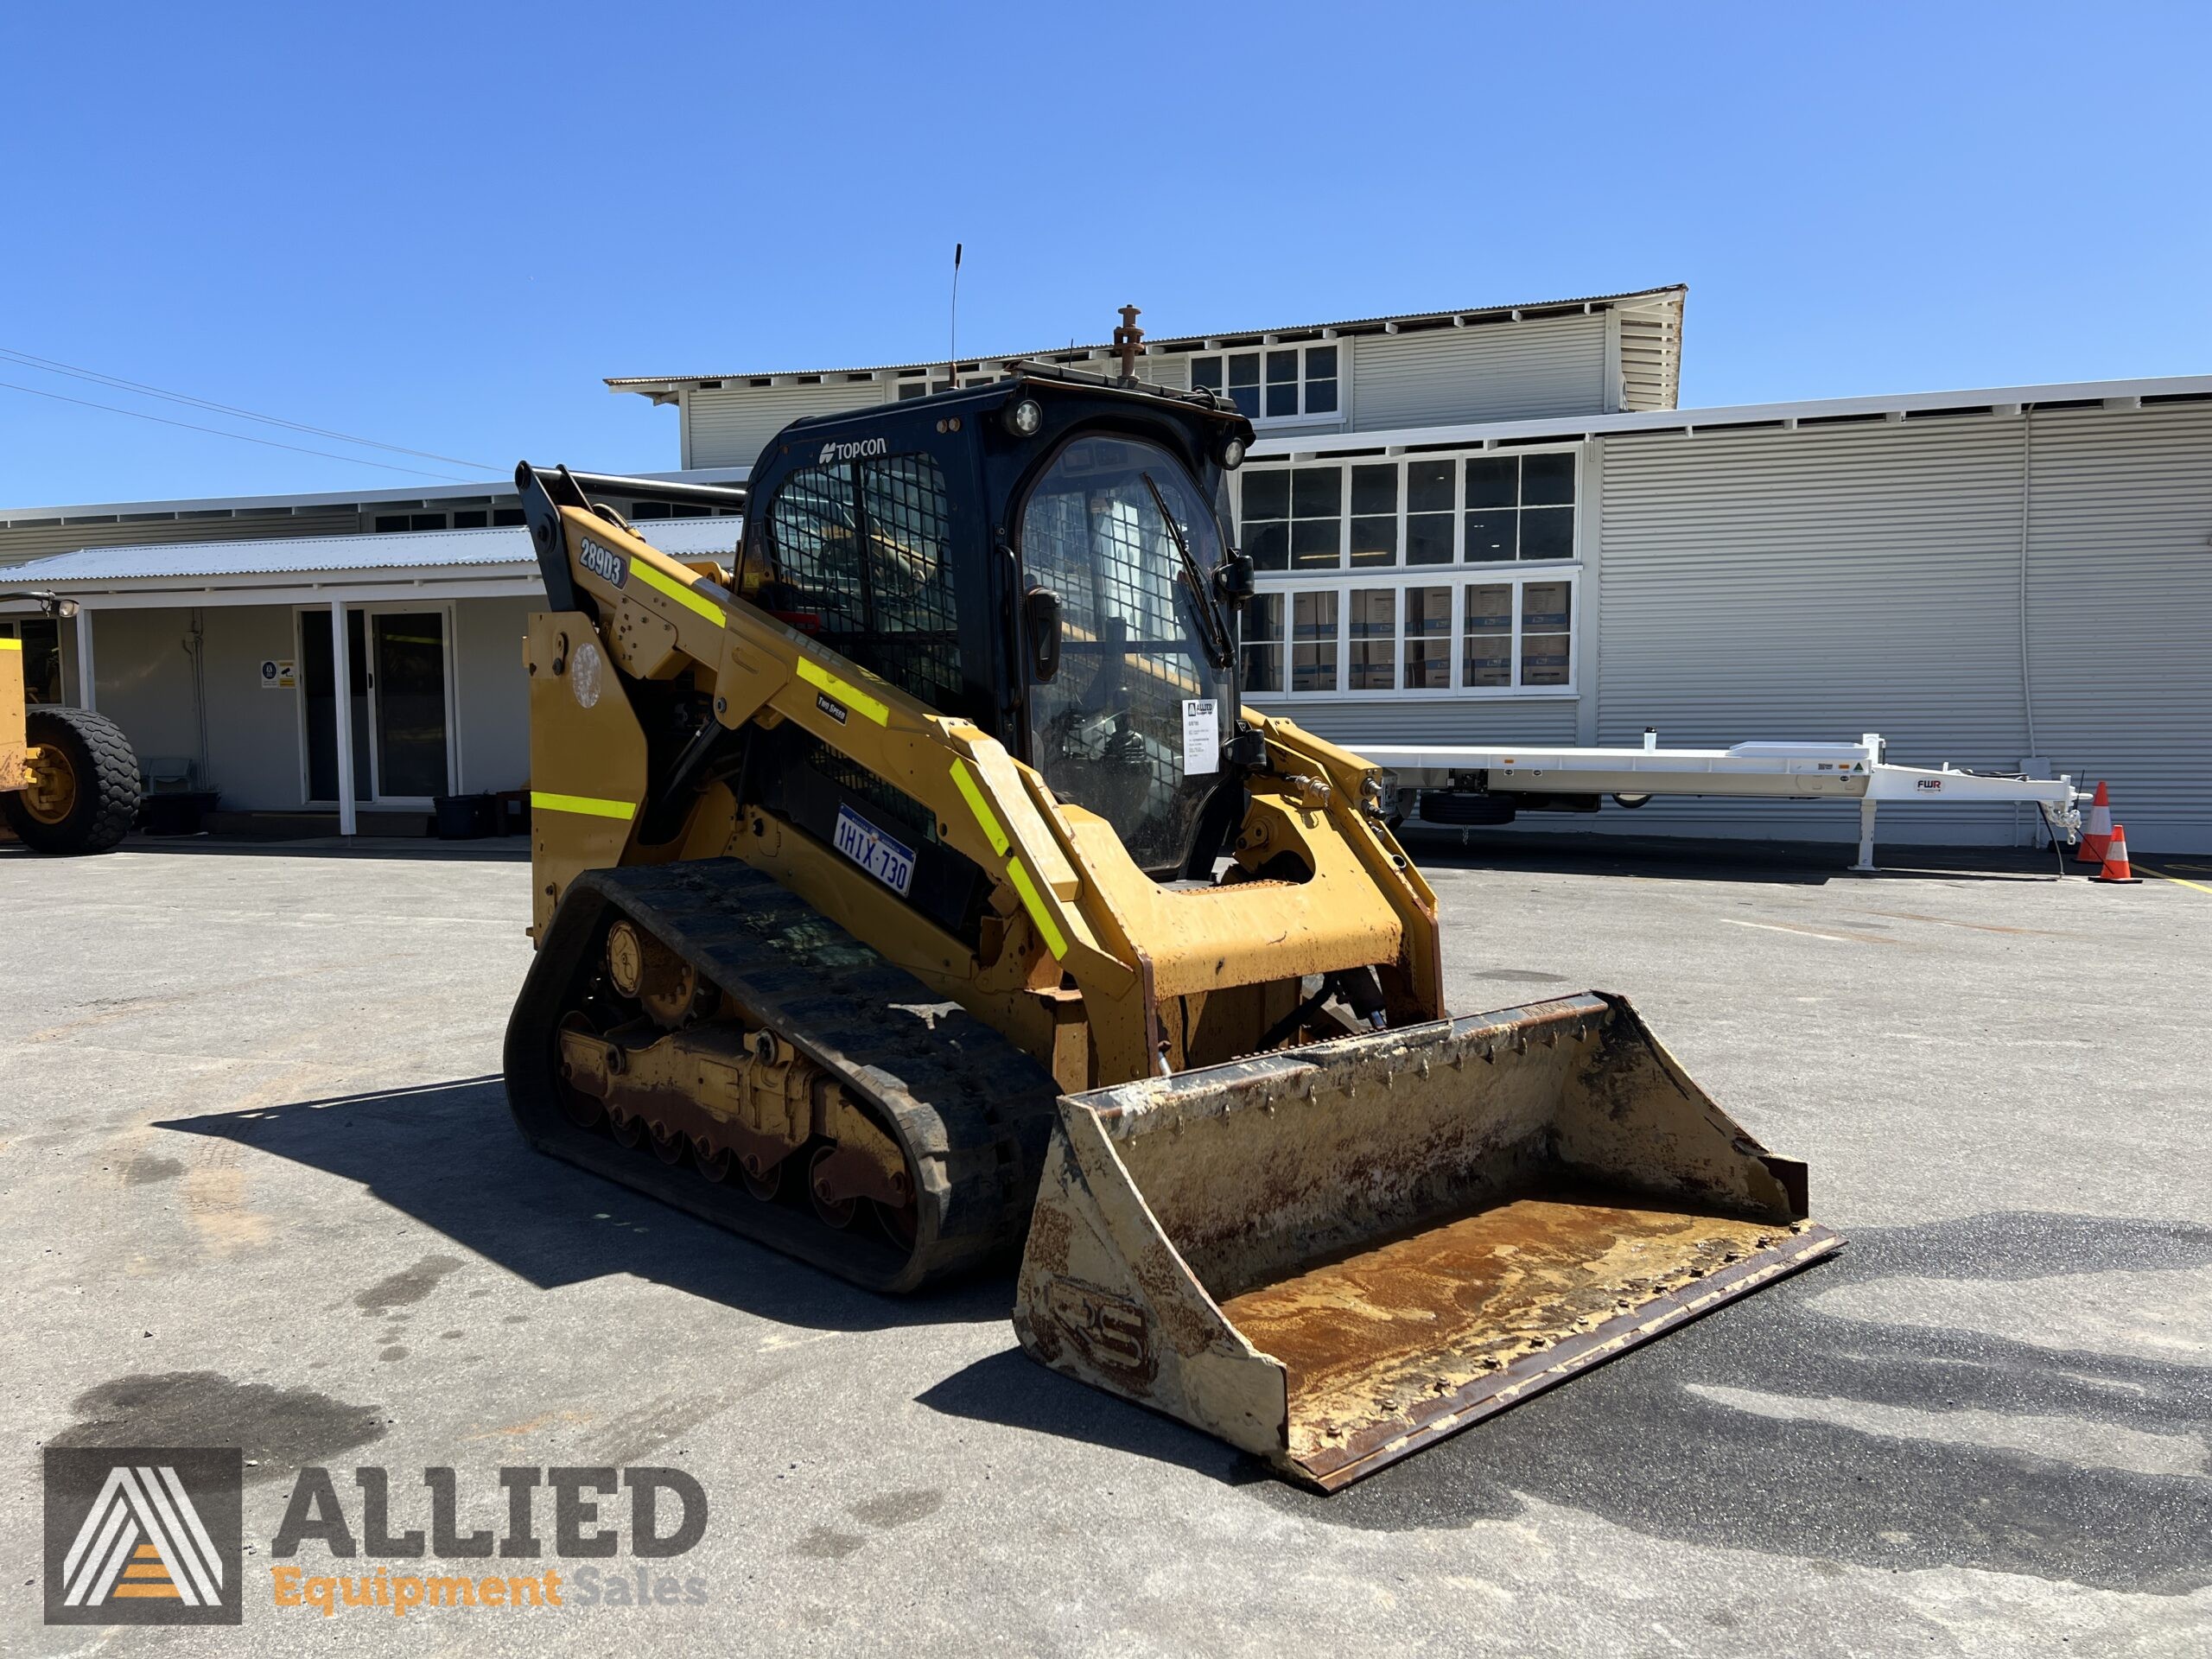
[[1385, 1443]]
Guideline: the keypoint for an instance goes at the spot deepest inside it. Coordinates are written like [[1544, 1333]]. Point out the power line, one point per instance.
[[51, 366], [268, 443]]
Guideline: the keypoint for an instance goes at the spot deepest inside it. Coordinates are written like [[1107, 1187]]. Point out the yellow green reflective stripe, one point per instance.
[[851, 696], [590, 806], [676, 590], [981, 808], [12, 644], [1033, 901]]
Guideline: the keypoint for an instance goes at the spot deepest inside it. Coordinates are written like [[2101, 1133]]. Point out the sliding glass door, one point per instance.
[[397, 704]]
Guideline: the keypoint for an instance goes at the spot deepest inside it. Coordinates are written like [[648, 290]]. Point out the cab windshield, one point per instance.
[[1133, 724]]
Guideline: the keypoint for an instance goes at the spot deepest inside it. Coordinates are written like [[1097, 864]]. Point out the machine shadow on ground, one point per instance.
[[449, 1156], [1645, 1444]]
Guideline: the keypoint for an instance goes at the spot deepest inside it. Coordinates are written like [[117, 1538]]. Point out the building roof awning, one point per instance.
[[1673, 295], [1814, 414], [449, 562]]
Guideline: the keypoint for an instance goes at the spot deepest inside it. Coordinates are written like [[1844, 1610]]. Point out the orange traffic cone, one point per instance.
[[2116, 866], [2099, 834]]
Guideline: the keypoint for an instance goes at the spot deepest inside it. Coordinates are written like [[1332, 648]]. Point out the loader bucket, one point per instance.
[[1332, 1256]]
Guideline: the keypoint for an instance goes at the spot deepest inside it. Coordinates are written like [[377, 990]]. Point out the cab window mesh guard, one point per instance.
[[863, 550]]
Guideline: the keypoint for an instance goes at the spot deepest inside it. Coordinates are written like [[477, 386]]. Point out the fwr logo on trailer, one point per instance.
[[143, 1535]]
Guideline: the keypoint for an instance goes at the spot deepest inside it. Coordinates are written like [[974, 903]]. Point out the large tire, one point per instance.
[[102, 794]]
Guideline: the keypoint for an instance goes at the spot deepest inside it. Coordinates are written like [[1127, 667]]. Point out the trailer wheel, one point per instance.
[[84, 785]]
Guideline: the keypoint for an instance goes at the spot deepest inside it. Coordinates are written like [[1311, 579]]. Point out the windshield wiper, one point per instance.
[[1220, 651]]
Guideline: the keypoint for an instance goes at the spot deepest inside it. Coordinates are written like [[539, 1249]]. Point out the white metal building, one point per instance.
[[1477, 525], [1590, 356], [1985, 577], [218, 660]]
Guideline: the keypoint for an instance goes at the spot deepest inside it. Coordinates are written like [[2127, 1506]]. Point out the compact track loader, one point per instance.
[[910, 884], [68, 780]]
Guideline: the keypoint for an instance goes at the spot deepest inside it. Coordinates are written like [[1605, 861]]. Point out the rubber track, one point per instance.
[[111, 783], [975, 1111]]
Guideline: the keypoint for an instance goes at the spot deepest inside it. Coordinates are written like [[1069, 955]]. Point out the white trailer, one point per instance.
[[1456, 783]]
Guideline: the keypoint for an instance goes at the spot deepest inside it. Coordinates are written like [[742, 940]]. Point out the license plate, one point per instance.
[[889, 862]]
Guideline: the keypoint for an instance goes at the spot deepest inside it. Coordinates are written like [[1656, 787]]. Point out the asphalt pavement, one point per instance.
[[262, 1192]]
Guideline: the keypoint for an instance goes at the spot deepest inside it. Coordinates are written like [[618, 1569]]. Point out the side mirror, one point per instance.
[[1040, 620], [1232, 579]]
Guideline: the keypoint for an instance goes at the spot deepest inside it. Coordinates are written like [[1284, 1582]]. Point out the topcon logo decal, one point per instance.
[[859, 450], [143, 1535]]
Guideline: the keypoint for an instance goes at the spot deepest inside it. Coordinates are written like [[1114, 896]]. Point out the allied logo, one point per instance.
[[861, 449], [144, 1535]]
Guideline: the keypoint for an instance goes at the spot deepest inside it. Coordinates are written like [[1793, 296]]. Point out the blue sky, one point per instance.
[[440, 225]]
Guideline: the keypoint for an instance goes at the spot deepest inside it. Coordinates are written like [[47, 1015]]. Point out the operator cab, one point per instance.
[[1047, 556]]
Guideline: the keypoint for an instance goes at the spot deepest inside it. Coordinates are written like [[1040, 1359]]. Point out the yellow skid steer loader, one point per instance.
[[911, 887]]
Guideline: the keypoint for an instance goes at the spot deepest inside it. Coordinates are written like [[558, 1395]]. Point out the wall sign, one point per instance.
[[279, 674]]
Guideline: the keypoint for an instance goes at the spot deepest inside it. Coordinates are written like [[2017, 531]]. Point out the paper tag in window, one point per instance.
[[1201, 736]]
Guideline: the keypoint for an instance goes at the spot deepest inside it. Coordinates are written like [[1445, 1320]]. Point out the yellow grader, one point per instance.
[[68, 780], [911, 887]]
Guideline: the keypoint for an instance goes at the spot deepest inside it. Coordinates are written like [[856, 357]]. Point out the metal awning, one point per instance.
[[455, 563]]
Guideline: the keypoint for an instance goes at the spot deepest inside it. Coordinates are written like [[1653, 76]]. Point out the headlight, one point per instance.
[[1232, 454], [1024, 418]]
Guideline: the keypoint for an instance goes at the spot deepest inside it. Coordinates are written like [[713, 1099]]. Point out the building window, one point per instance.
[[1313, 642], [1274, 383], [1430, 488], [1547, 632], [1424, 510], [1262, 643], [1429, 639], [1374, 627], [388, 521], [1520, 506], [925, 388], [1295, 518], [1359, 635]]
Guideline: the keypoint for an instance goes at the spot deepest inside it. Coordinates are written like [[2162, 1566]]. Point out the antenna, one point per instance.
[[952, 368]]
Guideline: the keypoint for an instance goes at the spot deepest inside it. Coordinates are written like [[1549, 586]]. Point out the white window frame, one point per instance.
[[1400, 460], [1341, 346], [1457, 579], [1457, 576]]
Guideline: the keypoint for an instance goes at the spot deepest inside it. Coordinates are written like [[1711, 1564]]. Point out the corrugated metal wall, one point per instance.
[[730, 427], [1816, 583], [1354, 721], [22, 542], [1829, 581], [1497, 371], [2120, 611]]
